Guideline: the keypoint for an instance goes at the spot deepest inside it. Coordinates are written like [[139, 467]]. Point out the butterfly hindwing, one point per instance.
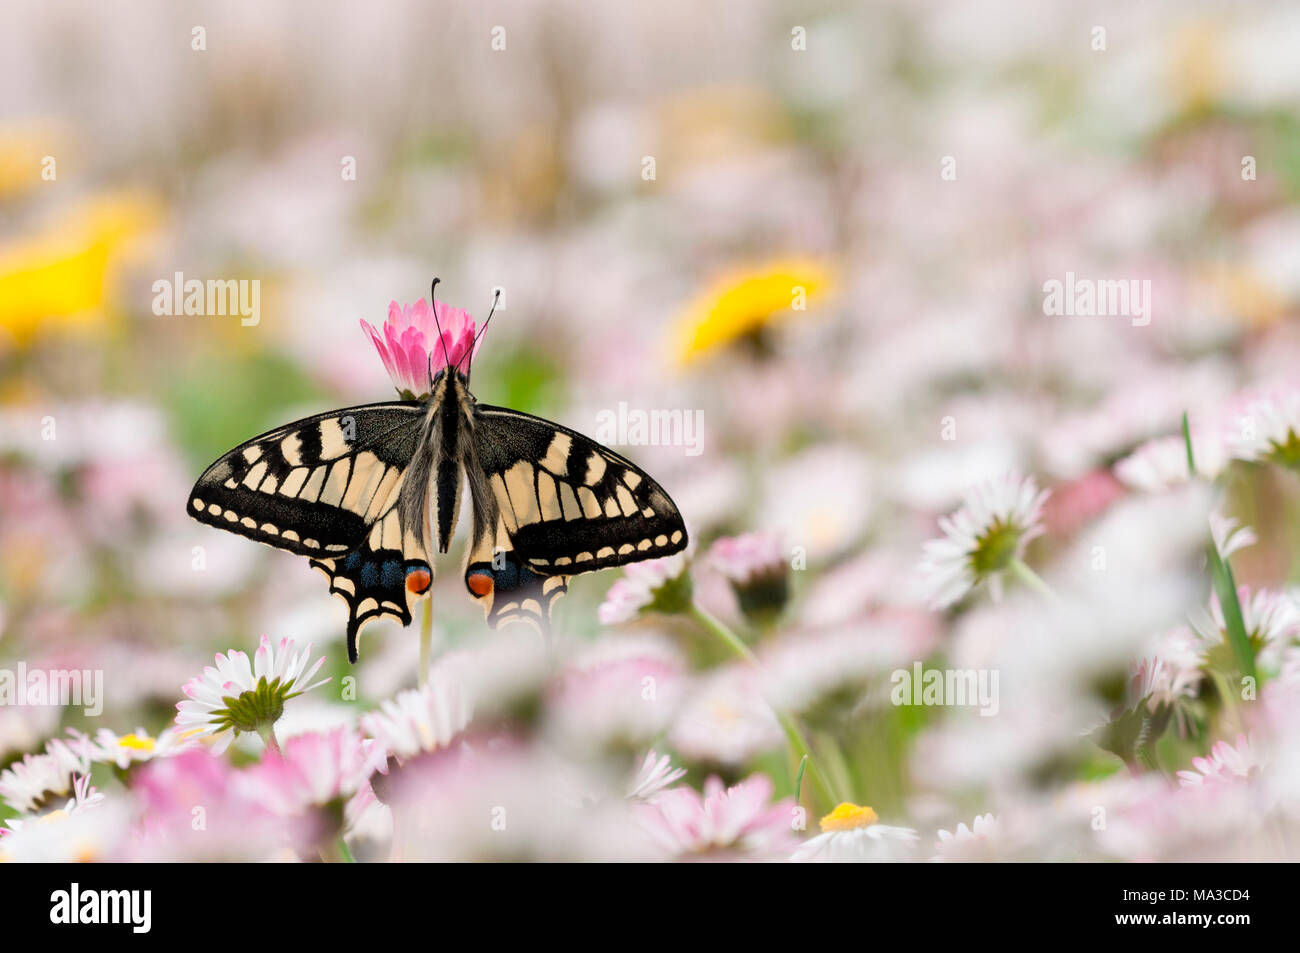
[[568, 504], [315, 486], [386, 575], [509, 590]]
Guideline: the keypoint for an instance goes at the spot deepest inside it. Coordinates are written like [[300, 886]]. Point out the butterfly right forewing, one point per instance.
[[570, 505]]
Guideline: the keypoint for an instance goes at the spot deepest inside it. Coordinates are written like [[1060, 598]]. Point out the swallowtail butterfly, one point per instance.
[[363, 492]]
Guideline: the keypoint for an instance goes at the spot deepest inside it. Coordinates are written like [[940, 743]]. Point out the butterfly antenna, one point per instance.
[[433, 303], [473, 347]]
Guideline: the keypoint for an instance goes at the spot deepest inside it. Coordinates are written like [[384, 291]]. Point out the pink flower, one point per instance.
[[736, 823], [1076, 503], [318, 784], [659, 585], [312, 770], [742, 558], [1226, 763], [505, 801], [192, 809], [617, 695], [410, 347], [756, 569]]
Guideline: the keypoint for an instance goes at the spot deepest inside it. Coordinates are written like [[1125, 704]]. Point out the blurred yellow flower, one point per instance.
[[713, 122], [741, 302], [1241, 292], [23, 150], [1195, 66], [61, 273]]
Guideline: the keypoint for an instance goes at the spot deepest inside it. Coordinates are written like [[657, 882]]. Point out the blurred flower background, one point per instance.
[[826, 231]]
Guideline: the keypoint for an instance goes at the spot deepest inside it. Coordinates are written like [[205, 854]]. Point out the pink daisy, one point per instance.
[[410, 347], [736, 823], [1226, 763]]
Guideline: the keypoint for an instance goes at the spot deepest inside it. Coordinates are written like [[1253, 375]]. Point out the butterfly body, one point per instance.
[[367, 493]]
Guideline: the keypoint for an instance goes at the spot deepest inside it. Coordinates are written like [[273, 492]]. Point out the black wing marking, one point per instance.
[[570, 505], [328, 487], [315, 486], [508, 590], [386, 575]]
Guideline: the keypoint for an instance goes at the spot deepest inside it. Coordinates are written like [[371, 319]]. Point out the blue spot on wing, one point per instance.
[[392, 574], [370, 574]]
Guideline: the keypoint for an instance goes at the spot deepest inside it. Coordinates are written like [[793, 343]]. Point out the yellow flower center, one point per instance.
[[848, 817], [136, 742]]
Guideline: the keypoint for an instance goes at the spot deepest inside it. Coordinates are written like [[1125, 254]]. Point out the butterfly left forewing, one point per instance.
[[315, 486], [568, 504]]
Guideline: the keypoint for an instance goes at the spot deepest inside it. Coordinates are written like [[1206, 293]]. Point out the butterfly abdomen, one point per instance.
[[450, 441]]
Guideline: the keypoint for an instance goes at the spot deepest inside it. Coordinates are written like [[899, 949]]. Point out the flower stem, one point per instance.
[[1031, 579], [1147, 758], [719, 630], [345, 852], [794, 735], [268, 738], [426, 639]]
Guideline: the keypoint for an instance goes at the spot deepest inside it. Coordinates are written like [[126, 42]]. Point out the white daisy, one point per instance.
[[821, 497], [84, 797], [1161, 464], [24, 727], [726, 720], [108, 747], [85, 829], [38, 780], [853, 834], [1268, 430], [496, 676], [1288, 675], [967, 844], [238, 696], [1228, 535], [655, 774], [1170, 674], [1271, 620], [418, 721], [990, 530], [801, 668]]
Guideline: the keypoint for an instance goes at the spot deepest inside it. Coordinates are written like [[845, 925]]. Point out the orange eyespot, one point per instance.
[[417, 581], [480, 583]]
